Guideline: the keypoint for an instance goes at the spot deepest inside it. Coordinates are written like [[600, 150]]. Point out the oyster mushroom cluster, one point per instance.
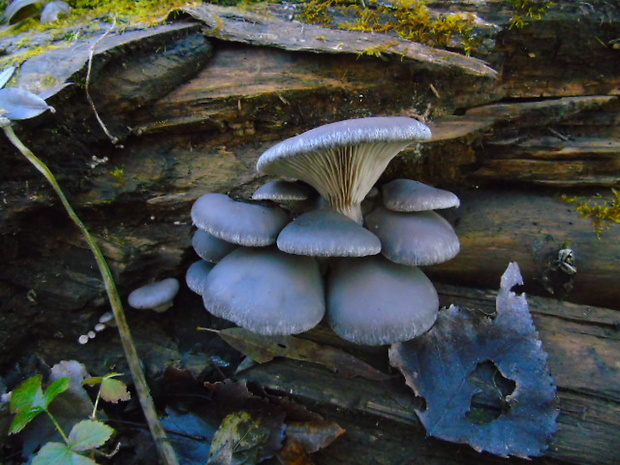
[[304, 247]]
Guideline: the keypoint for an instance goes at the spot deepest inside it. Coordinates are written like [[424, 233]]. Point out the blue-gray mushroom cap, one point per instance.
[[327, 233], [407, 195], [196, 275], [374, 301], [155, 296], [266, 291], [414, 238], [248, 224], [210, 248]]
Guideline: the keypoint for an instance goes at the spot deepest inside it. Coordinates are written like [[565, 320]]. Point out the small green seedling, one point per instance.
[[30, 399], [110, 389]]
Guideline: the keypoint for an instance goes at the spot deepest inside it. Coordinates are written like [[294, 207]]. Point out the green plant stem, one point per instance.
[[94, 414], [58, 427], [164, 448]]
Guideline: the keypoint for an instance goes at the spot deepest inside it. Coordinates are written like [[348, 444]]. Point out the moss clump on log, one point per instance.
[[409, 19]]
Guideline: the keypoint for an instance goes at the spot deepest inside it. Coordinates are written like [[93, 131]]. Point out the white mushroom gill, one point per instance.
[[343, 160], [342, 175]]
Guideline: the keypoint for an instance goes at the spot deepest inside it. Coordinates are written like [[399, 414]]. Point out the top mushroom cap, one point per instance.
[[249, 224], [407, 195], [343, 160]]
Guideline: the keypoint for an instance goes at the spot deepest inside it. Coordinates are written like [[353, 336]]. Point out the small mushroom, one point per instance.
[[210, 248], [197, 275], [156, 296], [415, 238], [107, 319], [266, 291], [327, 233], [407, 195], [343, 160], [374, 301], [279, 190], [249, 224]]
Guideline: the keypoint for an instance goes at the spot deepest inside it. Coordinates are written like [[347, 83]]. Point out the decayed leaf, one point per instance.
[[439, 366], [313, 435], [19, 104], [54, 10], [20, 10], [244, 438], [263, 349], [306, 437], [192, 433], [6, 75]]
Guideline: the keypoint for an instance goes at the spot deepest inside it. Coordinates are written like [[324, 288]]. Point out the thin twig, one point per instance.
[[112, 138], [166, 452]]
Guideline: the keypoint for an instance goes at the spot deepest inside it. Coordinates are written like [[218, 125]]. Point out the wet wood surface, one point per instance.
[[583, 347], [531, 228]]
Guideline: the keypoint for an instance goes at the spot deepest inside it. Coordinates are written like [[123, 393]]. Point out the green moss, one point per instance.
[[410, 19], [86, 15], [378, 50], [603, 211], [527, 10], [17, 59], [148, 12]]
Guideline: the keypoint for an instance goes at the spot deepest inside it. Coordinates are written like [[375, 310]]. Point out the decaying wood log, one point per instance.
[[194, 114], [237, 25], [500, 226], [582, 343]]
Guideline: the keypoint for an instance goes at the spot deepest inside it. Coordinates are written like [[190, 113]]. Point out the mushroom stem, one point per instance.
[[352, 210]]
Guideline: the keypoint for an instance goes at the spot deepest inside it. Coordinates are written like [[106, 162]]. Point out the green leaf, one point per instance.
[[57, 387], [88, 435], [56, 453], [27, 394], [92, 381], [27, 401], [114, 390]]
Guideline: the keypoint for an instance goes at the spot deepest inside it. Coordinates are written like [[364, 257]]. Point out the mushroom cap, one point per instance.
[[374, 301], [415, 238], [210, 248], [266, 291], [249, 224], [343, 160], [279, 190], [407, 195], [327, 233], [196, 275], [344, 134], [154, 295]]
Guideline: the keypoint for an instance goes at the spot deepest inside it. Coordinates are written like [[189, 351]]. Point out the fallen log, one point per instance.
[[583, 349], [499, 226]]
